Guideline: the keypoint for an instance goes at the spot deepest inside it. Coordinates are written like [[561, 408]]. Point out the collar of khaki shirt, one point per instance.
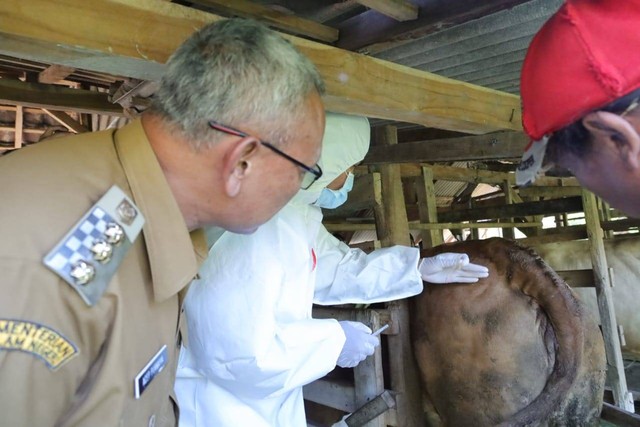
[[175, 255]]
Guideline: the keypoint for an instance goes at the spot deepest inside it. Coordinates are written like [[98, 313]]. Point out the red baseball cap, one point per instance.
[[584, 57]]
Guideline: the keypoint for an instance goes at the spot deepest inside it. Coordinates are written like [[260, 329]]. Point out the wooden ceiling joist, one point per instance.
[[54, 73], [289, 23], [134, 38], [400, 10], [56, 97], [501, 145]]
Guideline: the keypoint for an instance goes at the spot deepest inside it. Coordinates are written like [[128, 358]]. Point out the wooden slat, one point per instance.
[[577, 278], [502, 145], [619, 417], [17, 138], [338, 395], [24, 129], [133, 38], [289, 23], [54, 73], [400, 10], [56, 98], [66, 120]]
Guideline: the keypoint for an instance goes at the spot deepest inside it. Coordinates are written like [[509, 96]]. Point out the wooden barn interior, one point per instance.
[[439, 82]]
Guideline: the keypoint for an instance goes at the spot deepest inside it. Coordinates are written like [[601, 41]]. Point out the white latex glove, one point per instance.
[[451, 268], [359, 344]]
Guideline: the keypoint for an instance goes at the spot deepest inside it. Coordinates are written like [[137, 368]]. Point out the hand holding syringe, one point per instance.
[[379, 331]]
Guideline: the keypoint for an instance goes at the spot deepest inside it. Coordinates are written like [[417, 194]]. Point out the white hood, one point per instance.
[[345, 143]]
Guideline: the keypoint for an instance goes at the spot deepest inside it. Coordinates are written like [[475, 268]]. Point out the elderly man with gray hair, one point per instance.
[[106, 228]]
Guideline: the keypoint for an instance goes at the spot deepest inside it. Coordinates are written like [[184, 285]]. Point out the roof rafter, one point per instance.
[[121, 37], [289, 23], [400, 10]]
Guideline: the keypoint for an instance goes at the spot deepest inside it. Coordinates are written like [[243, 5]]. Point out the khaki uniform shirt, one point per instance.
[[46, 189]]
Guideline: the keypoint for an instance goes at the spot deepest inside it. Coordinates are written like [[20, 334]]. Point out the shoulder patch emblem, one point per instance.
[[88, 256], [41, 341]]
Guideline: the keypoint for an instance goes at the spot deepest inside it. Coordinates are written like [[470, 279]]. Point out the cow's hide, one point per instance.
[[623, 256], [514, 349]]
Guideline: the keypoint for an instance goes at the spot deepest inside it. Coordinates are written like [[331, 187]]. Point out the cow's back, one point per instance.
[[487, 351]]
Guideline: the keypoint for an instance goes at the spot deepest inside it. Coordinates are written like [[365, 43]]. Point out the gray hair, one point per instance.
[[235, 71]]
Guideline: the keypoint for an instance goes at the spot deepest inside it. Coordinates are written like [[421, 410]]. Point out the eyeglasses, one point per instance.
[[311, 174]]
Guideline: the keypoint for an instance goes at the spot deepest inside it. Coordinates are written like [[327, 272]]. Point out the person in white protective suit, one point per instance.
[[252, 343]]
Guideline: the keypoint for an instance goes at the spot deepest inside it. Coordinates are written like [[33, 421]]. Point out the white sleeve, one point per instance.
[[241, 334], [350, 276]]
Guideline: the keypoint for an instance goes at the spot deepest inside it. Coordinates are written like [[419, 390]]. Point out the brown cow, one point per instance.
[[514, 349]]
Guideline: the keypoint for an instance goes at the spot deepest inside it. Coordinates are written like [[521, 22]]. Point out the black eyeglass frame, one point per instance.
[[232, 131]]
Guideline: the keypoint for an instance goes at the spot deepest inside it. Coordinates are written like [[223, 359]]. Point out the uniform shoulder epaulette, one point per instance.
[[88, 256]]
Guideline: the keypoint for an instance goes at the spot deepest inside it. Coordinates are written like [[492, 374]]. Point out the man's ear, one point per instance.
[[618, 133], [237, 164]]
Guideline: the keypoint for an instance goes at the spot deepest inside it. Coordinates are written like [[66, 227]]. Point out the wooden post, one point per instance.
[[393, 229], [368, 375], [427, 208], [508, 233], [17, 137], [615, 367], [605, 216]]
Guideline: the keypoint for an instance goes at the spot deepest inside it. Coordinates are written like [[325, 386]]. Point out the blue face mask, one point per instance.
[[331, 199]]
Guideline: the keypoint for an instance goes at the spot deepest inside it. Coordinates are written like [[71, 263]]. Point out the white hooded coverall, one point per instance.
[[252, 343]]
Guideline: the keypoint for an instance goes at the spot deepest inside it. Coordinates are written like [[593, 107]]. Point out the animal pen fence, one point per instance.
[[398, 402]]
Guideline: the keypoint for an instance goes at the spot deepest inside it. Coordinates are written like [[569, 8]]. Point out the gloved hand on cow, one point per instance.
[[359, 344], [451, 268]]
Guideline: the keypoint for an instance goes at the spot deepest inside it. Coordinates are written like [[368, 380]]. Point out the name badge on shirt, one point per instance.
[[149, 372]]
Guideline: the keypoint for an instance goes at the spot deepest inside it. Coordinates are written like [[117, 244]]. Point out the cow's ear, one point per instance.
[[618, 134]]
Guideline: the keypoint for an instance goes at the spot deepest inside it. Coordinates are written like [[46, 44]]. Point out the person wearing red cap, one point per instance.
[[580, 88]]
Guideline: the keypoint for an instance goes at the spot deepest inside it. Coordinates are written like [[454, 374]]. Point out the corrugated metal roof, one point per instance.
[[487, 51]]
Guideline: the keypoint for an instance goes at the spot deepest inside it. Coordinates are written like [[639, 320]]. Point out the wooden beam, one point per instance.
[[502, 145], [550, 192], [563, 235], [618, 416], [54, 73], [361, 226], [451, 173], [546, 207], [25, 110], [66, 120], [577, 278], [274, 18], [400, 10], [56, 98], [24, 129], [133, 38], [334, 394]]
